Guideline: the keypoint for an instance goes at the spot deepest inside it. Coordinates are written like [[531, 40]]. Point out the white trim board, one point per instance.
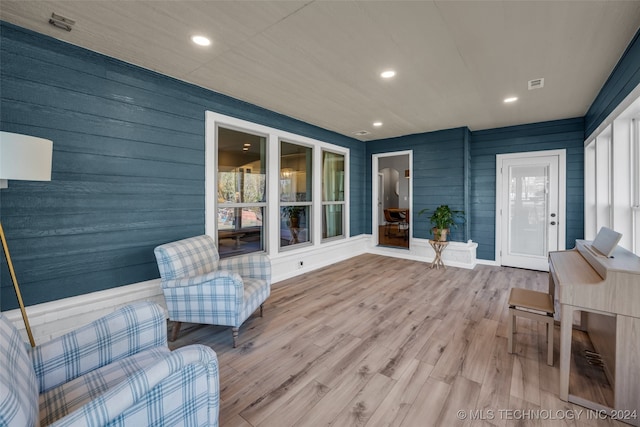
[[54, 318]]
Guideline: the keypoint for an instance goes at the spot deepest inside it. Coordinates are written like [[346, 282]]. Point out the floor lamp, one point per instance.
[[22, 157]]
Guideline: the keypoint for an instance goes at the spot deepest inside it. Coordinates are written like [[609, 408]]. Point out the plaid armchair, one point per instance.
[[116, 371], [200, 288]]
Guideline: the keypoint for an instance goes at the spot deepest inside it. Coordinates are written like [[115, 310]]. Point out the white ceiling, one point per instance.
[[319, 61]]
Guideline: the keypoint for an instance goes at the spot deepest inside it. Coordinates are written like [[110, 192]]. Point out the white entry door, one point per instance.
[[530, 208]]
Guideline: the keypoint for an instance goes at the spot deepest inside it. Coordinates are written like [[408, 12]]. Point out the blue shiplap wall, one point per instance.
[[438, 174], [128, 165], [623, 79], [567, 134]]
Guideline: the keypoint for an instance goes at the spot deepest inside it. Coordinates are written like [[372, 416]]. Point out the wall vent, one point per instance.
[[536, 84], [60, 21], [361, 133]]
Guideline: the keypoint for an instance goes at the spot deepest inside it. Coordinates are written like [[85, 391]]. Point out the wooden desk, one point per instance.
[[606, 291]]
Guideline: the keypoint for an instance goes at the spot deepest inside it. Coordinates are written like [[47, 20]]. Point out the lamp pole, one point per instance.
[[15, 286]]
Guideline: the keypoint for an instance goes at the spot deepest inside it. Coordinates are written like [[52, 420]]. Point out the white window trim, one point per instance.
[[274, 136], [313, 220], [322, 203]]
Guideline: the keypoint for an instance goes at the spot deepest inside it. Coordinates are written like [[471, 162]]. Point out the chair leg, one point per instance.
[[511, 330], [234, 332], [175, 330], [261, 309]]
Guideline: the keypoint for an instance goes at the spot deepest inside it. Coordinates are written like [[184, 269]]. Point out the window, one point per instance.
[[333, 200], [612, 175], [590, 203], [635, 170], [241, 192], [296, 195], [603, 180], [270, 190]]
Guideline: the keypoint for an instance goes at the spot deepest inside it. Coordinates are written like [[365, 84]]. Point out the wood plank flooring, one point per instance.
[[379, 341]]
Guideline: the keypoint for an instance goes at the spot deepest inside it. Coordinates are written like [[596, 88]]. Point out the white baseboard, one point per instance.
[[285, 265], [488, 262], [456, 254], [52, 319]]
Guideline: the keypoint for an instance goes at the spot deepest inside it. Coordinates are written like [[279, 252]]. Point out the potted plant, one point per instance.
[[443, 218], [292, 215]]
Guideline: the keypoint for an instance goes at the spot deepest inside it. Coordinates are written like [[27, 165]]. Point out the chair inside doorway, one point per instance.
[[395, 231]]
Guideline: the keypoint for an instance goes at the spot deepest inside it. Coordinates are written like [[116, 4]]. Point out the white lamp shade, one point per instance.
[[25, 157]]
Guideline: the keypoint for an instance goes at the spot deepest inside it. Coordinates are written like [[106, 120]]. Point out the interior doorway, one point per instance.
[[391, 211]]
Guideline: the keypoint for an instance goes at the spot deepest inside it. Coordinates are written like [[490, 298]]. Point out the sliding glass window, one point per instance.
[[241, 195], [333, 200], [296, 177]]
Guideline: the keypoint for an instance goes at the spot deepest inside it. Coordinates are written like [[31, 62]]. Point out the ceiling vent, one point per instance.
[[61, 22], [536, 84], [361, 133]]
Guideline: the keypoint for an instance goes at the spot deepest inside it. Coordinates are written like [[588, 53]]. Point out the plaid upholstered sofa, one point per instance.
[[116, 371], [199, 287]]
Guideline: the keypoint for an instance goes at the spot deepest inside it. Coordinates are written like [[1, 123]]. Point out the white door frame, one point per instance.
[[374, 191], [380, 197], [562, 199]]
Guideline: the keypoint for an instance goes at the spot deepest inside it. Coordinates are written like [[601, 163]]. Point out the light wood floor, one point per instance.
[[377, 341]]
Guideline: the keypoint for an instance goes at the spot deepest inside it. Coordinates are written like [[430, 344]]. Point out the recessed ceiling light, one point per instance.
[[377, 124], [511, 99], [201, 40], [387, 74]]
